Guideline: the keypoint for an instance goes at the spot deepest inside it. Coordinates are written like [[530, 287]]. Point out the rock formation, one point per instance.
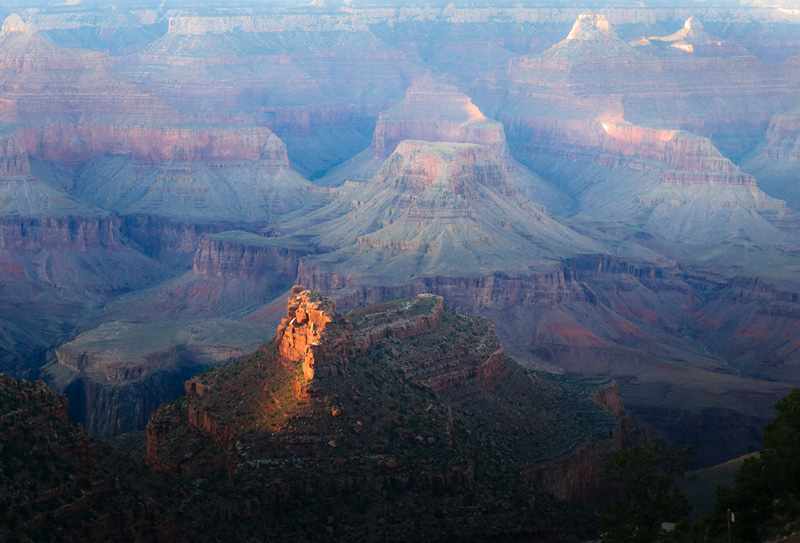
[[437, 209], [309, 335], [365, 433], [247, 256], [693, 38], [299, 82], [614, 124], [142, 155], [150, 183], [433, 111], [70, 253], [774, 160]]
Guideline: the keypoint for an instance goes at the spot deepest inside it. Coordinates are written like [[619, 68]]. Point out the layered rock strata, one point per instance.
[[437, 209], [693, 38], [135, 154], [781, 140], [682, 92], [433, 111], [360, 18], [150, 145], [247, 256]]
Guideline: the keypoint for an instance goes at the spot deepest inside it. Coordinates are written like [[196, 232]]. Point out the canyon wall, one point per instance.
[[781, 140], [680, 157], [78, 143], [359, 19], [246, 259], [575, 475], [109, 401], [77, 234]]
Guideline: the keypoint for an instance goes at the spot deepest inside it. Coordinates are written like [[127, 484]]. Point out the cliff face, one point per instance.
[[247, 258], [76, 234], [470, 294], [678, 157], [118, 374], [416, 166], [576, 474], [781, 139], [79, 143], [752, 323], [13, 157], [309, 335], [166, 238]]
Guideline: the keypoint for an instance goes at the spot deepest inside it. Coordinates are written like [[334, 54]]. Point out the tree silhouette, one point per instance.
[[766, 487], [646, 476]]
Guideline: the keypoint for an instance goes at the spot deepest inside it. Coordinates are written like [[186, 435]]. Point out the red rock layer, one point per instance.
[[471, 294], [308, 333], [77, 234], [244, 260], [433, 111], [42, 83], [683, 158], [417, 165], [78, 143]]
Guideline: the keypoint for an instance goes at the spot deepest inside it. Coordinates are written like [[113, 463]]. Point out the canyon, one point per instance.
[[613, 189], [368, 409]]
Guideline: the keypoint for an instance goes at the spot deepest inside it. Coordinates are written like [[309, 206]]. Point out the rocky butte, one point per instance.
[[694, 39], [565, 111], [376, 405], [433, 208], [433, 111]]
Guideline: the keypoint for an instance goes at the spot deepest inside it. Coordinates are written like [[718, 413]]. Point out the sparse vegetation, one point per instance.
[[646, 476]]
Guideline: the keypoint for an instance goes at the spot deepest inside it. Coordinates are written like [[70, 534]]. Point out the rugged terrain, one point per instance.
[[60, 485], [614, 189], [344, 414], [362, 426]]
